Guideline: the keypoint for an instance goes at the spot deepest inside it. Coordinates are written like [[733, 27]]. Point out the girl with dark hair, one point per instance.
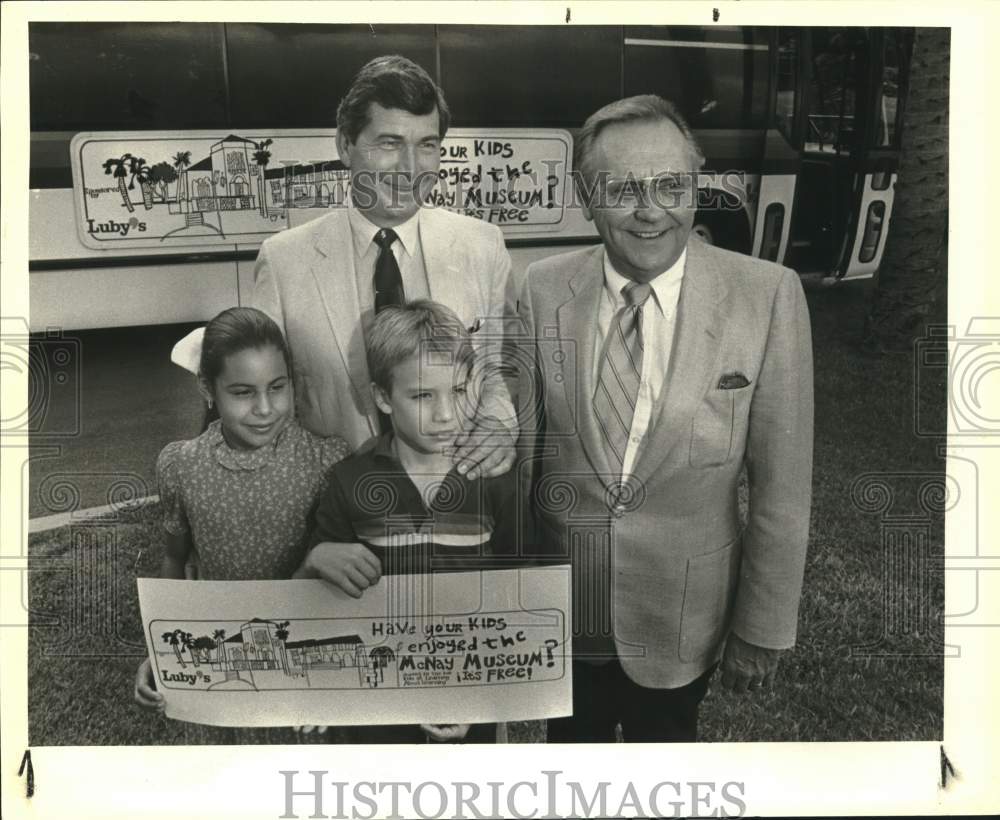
[[243, 493]]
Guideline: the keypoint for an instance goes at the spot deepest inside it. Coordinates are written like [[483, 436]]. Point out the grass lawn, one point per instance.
[[85, 641]]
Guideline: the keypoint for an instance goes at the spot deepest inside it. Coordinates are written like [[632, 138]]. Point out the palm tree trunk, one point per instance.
[[123, 189], [911, 284], [182, 187]]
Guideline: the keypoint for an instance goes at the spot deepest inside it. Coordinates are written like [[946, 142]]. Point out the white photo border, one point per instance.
[[779, 778]]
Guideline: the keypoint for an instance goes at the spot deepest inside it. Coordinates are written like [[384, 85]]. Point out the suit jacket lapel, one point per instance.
[[333, 270], [444, 275], [692, 359], [577, 318]]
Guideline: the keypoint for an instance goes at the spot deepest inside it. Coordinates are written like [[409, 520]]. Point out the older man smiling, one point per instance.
[[674, 366]]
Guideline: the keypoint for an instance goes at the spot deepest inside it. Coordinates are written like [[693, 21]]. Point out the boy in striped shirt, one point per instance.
[[398, 506]]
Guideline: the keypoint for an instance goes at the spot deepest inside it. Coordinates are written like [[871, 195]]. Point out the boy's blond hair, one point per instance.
[[422, 326]]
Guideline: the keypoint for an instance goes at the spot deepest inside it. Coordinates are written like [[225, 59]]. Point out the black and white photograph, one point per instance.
[[539, 377]]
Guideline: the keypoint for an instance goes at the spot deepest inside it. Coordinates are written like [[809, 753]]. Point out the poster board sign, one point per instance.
[[468, 647], [166, 189]]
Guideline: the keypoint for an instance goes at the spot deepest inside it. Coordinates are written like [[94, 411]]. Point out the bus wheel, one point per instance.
[[704, 232]]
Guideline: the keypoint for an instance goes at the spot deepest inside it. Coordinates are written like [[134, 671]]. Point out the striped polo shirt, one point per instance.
[[465, 525]]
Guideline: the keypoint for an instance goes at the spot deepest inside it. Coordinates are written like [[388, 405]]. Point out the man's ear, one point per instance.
[[343, 148], [585, 190], [585, 204], [381, 399]]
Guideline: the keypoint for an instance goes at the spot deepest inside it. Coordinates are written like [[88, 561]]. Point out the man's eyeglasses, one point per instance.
[[661, 191]]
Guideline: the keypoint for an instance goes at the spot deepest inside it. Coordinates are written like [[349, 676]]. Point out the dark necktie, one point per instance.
[[620, 374], [388, 281]]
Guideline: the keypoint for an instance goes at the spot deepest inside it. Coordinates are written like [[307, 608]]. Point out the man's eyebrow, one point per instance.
[[390, 135]]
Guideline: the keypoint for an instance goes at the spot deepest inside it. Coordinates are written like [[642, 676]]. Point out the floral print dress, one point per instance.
[[248, 514]]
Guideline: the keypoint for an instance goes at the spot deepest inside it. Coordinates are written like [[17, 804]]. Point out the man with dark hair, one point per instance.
[[392, 82], [323, 282], [676, 365]]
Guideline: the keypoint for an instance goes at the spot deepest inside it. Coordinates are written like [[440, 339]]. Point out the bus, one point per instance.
[[805, 118]]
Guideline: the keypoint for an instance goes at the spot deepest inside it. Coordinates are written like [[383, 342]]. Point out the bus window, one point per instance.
[[833, 80], [888, 92], [126, 76], [529, 75], [307, 68], [718, 76], [787, 74]]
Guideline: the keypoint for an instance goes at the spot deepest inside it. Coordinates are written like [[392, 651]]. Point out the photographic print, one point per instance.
[[649, 331]]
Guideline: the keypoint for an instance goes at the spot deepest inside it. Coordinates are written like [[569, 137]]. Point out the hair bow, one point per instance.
[[187, 352]]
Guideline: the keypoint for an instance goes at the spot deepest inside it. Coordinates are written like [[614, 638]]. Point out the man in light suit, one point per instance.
[[323, 281], [665, 366]]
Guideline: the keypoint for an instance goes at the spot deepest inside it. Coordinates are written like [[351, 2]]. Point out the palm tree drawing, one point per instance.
[[220, 648], [119, 167], [281, 633], [140, 172], [182, 159], [173, 639], [185, 639], [262, 156]]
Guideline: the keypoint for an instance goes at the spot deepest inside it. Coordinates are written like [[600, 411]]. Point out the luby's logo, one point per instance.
[[111, 226]]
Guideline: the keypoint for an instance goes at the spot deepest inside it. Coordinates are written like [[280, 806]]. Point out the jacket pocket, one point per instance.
[[719, 426], [709, 589]]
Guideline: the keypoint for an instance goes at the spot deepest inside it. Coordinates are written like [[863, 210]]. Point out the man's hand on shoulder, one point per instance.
[[486, 451], [748, 667]]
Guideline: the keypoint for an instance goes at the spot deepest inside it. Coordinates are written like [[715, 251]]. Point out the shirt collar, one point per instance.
[[661, 284], [249, 460], [363, 232]]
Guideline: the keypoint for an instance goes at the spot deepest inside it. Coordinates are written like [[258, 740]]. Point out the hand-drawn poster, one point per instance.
[[465, 647], [181, 188]]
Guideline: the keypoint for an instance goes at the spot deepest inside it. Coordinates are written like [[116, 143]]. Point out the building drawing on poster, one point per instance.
[[235, 177], [261, 654], [216, 194], [493, 646], [199, 188], [261, 649]]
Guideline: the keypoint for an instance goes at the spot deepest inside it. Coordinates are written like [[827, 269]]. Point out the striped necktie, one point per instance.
[[620, 374]]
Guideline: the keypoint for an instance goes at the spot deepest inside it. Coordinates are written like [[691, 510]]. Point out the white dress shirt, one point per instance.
[[658, 321]]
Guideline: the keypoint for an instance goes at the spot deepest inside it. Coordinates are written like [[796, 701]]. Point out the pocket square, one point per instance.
[[733, 381]]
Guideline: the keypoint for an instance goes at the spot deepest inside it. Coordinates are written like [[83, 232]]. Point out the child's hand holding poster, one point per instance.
[[445, 648]]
